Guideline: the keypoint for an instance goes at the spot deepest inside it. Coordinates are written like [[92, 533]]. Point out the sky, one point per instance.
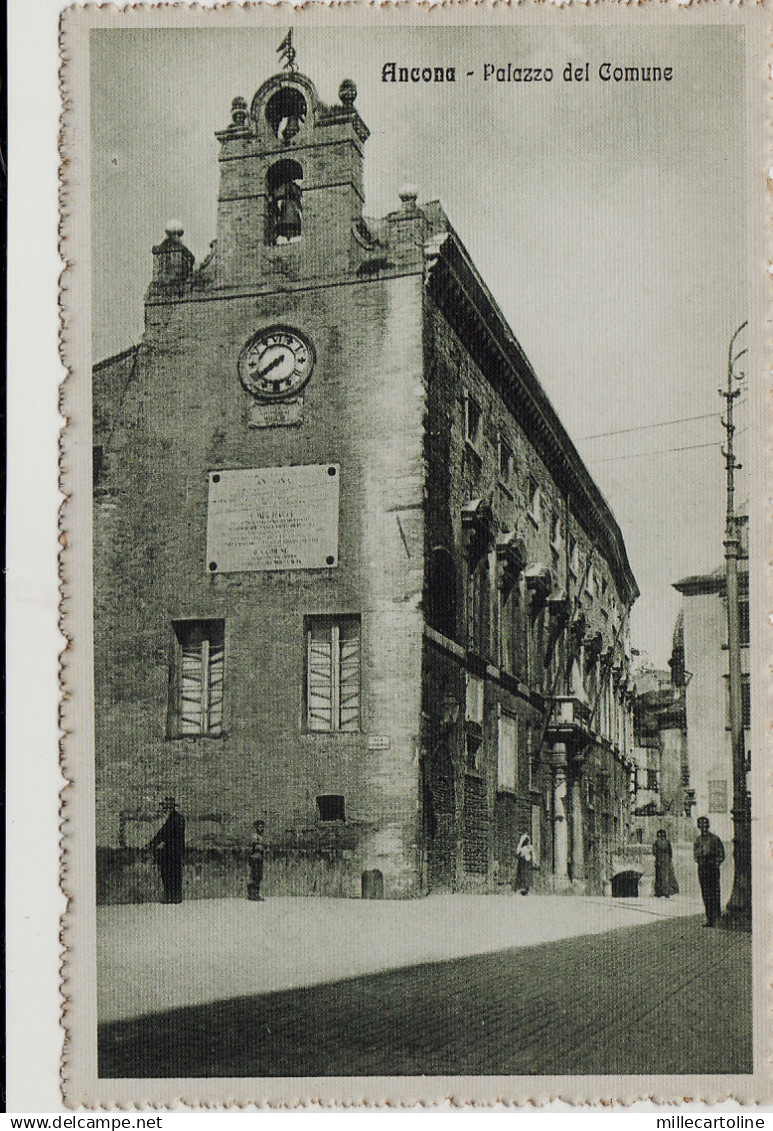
[[606, 218]]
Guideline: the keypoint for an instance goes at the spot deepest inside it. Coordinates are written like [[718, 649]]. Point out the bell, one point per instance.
[[291, 128], [288, 223]]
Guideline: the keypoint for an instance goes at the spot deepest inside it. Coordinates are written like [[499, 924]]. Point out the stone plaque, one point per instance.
[[277, 415], [273, 518]]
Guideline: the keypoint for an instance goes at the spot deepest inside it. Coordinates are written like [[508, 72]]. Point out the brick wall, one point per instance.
[[185, 414], [478, 824]]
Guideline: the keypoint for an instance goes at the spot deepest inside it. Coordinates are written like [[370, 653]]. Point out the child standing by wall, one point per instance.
[[257, 856]]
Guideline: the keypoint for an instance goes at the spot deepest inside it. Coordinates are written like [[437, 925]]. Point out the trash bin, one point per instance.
[[372, 884], [625, 885]]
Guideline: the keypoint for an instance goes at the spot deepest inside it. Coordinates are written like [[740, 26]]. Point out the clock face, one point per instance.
[[276, 363]]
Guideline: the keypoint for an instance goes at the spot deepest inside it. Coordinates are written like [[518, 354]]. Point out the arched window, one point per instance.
[[284, 211]]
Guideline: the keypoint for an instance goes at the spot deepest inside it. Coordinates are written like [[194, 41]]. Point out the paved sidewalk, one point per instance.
[[154, 958]]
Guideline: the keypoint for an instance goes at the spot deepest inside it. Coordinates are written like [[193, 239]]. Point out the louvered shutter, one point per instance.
[[319, 691], [349, 675], [216, 685], [190, 684]]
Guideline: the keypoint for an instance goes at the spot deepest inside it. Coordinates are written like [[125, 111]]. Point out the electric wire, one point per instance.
[[644, 427], [659, 452]]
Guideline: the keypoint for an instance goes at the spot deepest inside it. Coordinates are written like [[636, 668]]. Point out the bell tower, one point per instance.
[[291, 184]]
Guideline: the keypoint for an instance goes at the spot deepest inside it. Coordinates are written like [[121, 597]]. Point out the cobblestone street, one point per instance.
[[610, 987]]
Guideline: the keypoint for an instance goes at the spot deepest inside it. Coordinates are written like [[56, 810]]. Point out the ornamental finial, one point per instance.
[[238, 112], [286, 51]]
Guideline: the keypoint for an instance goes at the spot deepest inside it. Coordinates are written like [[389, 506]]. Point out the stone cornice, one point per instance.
[[453, 282], [702, 583]]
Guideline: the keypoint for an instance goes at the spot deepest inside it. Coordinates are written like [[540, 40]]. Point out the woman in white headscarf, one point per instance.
[[526, 858]]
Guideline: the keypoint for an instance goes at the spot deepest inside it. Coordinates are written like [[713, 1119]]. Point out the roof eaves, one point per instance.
[[449, 248]]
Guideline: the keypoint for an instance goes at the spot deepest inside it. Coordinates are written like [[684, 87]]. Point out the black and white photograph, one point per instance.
[[417, 583]]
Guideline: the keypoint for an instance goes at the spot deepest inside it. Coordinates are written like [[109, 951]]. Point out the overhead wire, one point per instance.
[[659, 451], [645, 427], [663, 451]]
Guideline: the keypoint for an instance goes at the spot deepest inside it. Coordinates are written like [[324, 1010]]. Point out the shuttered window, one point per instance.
[[717, 796], [746, 702], [743, 621], [477, 608], [507, 761], [198, 678], [333, 673]]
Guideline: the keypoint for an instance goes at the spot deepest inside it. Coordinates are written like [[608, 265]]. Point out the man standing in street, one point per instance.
[[168, 846], [709, 852]]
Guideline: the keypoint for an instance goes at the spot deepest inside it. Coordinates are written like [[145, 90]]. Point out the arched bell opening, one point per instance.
[[284, 203], [286, 112]]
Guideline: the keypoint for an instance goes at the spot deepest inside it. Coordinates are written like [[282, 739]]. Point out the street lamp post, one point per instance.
[[739, 907]]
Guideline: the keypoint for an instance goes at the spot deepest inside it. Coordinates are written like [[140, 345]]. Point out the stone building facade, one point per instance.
[[705, 668], [660, 739], [351, 575]]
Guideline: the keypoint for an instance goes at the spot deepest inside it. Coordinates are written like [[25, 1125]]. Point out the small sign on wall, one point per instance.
[[277, 415], [378, 742], [273, 518]]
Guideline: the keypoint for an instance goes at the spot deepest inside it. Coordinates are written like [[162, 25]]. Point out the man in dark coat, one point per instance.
[[168, 846], [709, 852]]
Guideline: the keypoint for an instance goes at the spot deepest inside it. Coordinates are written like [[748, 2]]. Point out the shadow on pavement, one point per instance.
[[666, 998]]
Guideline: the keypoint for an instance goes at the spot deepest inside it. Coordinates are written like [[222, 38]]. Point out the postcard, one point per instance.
[[414, 556]]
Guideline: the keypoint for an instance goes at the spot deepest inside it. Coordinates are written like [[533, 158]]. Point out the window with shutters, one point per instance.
[[746, 702], [440, 601], [473, 421], [477, 607], [505, 459], [333, 673], [532, 757], [535, 501], [743, 621], [507, 754], [97, 468], [718, 796], [556, 543], [574, 557], [197, 683], [473, 720]]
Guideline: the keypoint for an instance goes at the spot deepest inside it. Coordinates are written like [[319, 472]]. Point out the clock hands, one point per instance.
[[271, 365]]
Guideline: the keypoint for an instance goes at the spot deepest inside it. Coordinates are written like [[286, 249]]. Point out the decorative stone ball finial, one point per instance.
[[347, 92], [408, 195], [174, 229], [238, 112]]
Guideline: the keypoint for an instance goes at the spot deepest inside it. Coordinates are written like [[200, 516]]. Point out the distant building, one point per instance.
[[351, 575], [660, 746], [705, 669]]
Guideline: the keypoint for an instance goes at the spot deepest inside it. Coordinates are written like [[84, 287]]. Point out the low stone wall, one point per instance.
[[639, 857], [129, 875]]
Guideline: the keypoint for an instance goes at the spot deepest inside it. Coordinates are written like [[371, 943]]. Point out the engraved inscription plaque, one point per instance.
[[277, 415], [273, 518]]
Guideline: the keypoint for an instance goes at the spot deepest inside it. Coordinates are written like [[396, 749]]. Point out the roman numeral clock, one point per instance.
[[275, 365]]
